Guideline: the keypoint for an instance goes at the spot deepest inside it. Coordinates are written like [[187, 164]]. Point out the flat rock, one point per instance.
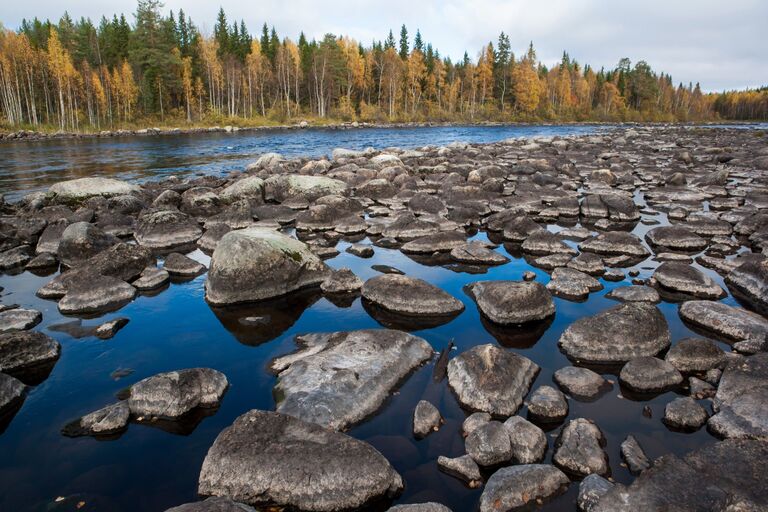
[[581, 383], [529, 443], [213, 504], [345, 377], [258, 263], [615, 243], [637, 293], [684, 413], [571, 284], [266, 458], [110, 420], [728, 323], [19, 319], [360, 250], [163, 230], [108, 329], [489, 444], [151, 278], [648, 374], [477, 253], [410, 296], [420, 507], [25, 350], [749, 283], [461, 467], [342, 281], [517, 486], [174, 394], [426, 419], [695, 355], [687, 280], [512, 302], [740, 402], [284, 186], [490, 379], [439, 242], [617, 335], [547, 404], [543, 243], [579, 449], [93, 293], [182, 266], [250, 187], [75, 191], [676, 238]]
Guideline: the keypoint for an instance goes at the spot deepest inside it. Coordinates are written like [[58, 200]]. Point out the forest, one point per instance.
[[74, 75]]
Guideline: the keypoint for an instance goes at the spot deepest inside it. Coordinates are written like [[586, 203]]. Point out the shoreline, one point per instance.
[[33, 136]]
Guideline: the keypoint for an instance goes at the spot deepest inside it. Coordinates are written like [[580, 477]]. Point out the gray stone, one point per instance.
[[695, 355], [615, 243], [24, 350], [406, 227], [257, 263], [547, 404], [684, 413], [346, 376], [76, 191], [266, 458], [512, 302], [342, 281], [81, 241], [108, 329], [360, 250], [420, 507], [543, 243], [182, 266], [163, 230], [174, 394], [727, 322], [749, 283], [123, 261], [634, 455], [676, 238], [581, 383], [12, 391], [151, 278], [687, 280], [517, 486], [439, 242], [51, 236], [477, 253], [250, 187], [489, 444], [579, 449], [488, 378], [520, 228], [637, 293], [474, 420], [591, 490], [410, 296], [740, 402], [284, 186], [461, 467], [529, 443], [213, 504], [19, 319], [90, 293], [572, 284], [648, 374], [426, 419], [617, 335], [110, 420]]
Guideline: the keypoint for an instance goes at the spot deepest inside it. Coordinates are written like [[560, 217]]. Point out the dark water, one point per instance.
[[152, 468], [29, 166]]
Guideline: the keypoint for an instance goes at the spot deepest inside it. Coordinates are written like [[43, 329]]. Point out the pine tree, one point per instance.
[[403, 43]]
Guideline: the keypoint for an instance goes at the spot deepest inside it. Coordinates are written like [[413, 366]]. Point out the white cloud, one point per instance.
[[720, 44]]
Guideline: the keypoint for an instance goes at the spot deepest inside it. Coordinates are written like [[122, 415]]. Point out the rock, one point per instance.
[[108, 329], [705, 479], [543, 242], [42, 261], [588, 263], [173, 394], [250, 187], [281, 187], [477, 253], [687, 280], [528, 442], [676, 238], [420, 507], [93, 293], [123, 261], [740, 402], [489, 444], [182, 266], [77, 191], [517, 486], [200, 202], [461, 467], [700, 389], [649, 375], [342, 281], [581, 383], [726, 322], [684, 413], [547, 405], [16, 257], [426, 419], [266, 458], [406, 227], [519, 228], [347, 376], [512, 302], [213, 504], [409, 296], [488, 378], [163, 230], [258, 263], [633, 454], [23, 351], [691, 355], [151, 278], [439, 242], [12, 391], [110, 420], [360, 250], [474, 420], [81, 241], [617, 335], [19, 319], [51, 236], [591, 490], [749, 283], [639, 293], [615, 243], [571, 284], [579, 449]]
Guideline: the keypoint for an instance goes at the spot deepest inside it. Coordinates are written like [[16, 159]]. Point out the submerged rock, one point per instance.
[[617, 335], [345, 376], [512, 302], [174, 394], [488, 378], [267, 458], [257, 263], [410, 296], [579, 449], [517, 486]]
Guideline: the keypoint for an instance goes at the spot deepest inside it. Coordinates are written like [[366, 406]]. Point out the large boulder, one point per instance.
[[281, 187], [617, 335], [81, 241], [174, 394], [515, 487], [162, 230], [77, 191], [267, 458], [341, 378], [512, 302], [491, 379], [749, 283], [250, 187], [259, 263]]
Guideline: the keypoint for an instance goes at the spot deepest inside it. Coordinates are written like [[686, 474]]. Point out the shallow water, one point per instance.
[[35, 165], [153, 467]]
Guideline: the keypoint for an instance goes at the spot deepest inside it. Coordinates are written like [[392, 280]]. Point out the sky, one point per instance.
[[720, 44]]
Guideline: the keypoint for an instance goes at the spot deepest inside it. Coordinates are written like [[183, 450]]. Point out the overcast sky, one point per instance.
[[721, 44]]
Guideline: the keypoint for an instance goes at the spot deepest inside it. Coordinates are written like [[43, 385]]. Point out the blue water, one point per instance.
[[151, 468], [35, 165]]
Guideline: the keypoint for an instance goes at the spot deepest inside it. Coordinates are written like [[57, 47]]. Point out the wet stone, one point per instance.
[[687, 280], [615, 243], [426, 419], [512, 302], [19, 319], [634, 294], [634, 455], [439, 242], [24, 350], [581, 383], [684, 413], [579, 449], [177, 264], [410, 296], [108, 329], [591, 489], [360, 250], [547, 405], [461, 467], [695, 355], [649, 375], [93, 293], [477, 253], [517, 486], [151, 278], [676, 238], [571, 284], [12, 392], [529, 443], [342, 281], [489, 444], [110, 420]]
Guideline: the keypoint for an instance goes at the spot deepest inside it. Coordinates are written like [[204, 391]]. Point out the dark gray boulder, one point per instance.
[[579, 449], [515, 487], [284, 186], [648, 374], [266, 458], [490, 379], [89, 293], [342, 281], [544, 243], [617, 335], [439, 242], [591, 490], [12, 392], [615, 243], [461, 467], [177, 264], [676, 238], [151, 278], [489, 444], [512, 302], [173, 394], [25, 351], [547, 405], [740, 402], [343, 377], [477, 253], [123, 261], [634, 455], [636, 293]]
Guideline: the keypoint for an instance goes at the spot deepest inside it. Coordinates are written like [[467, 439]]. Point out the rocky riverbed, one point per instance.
[[605, 297]]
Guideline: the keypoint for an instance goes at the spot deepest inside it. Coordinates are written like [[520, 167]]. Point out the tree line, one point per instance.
[[75, 75]]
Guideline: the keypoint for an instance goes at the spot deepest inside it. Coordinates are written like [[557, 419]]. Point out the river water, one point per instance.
[[153, 467]]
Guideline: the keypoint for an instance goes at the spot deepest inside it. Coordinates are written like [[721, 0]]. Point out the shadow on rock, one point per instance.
[[392, 320]]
